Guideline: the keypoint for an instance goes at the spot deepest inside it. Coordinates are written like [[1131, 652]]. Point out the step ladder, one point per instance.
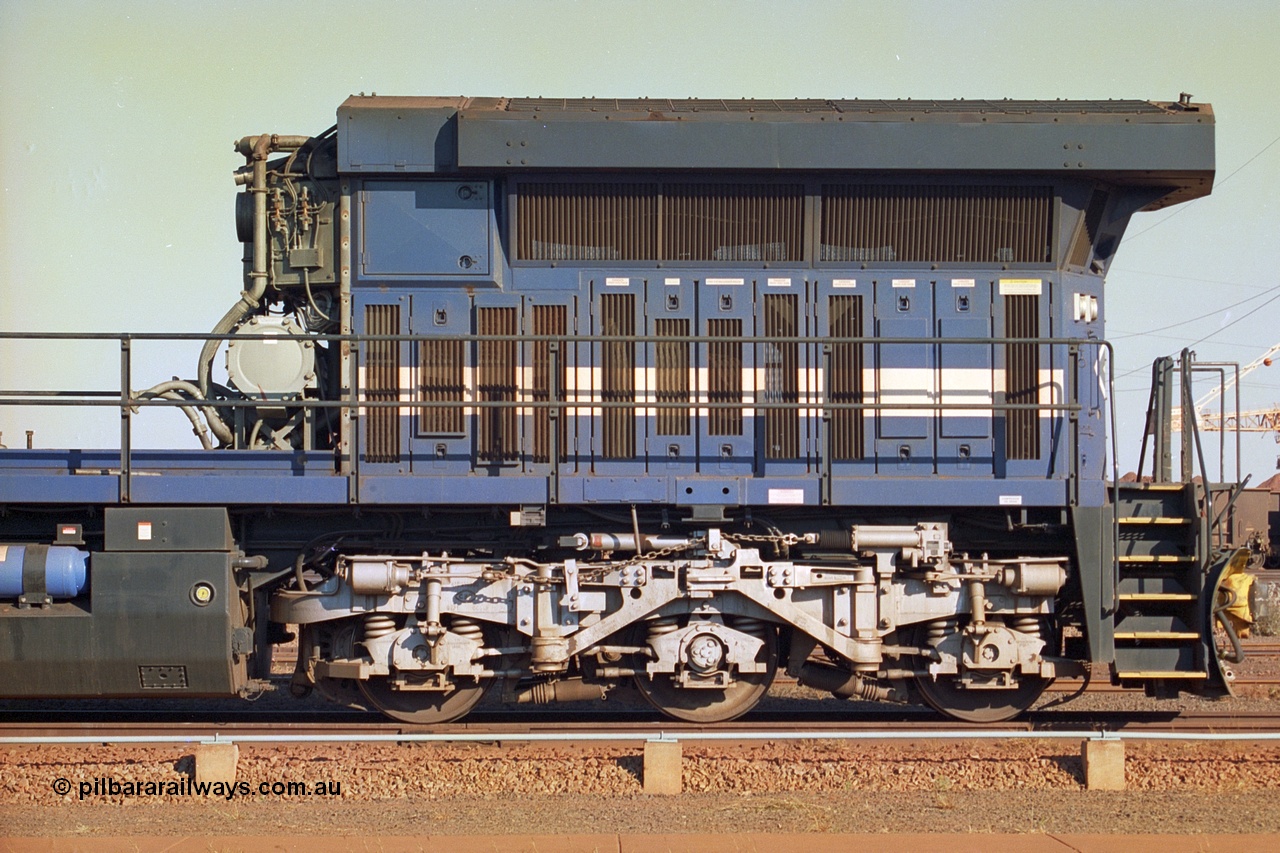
[[1163, 635], [1167, 568]]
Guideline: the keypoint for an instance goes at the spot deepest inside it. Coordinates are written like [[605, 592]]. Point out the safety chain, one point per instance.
[[665, 552], [784, 539]]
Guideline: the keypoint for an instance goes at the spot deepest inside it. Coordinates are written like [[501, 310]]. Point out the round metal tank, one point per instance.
[[278, 366], [65, 570]]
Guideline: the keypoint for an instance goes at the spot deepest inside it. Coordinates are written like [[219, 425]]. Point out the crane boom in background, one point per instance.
[[1256, 420]]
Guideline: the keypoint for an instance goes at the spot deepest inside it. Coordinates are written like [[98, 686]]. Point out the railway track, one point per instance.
[[500, 725]]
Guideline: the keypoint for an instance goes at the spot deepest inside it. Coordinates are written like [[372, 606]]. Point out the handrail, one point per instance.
[[99, 398], [561, 346], [1159, 431]]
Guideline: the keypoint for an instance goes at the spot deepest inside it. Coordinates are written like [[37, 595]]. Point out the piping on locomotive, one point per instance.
[[582, 395]]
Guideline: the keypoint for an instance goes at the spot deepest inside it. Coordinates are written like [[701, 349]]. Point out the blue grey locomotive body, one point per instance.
[[573, 394]]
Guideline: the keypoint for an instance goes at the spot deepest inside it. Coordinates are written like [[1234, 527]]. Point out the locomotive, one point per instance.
[[576, 395]]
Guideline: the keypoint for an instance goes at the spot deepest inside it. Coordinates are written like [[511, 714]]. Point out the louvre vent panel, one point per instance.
[[733, 222], [497, 430], [547, 320], [586, 221], [781, 376], [1088, 234], [440, 371], [618, 375], [672, 376], [936, 224], [845, 382], [1022, 371], [724, 377], [382, 384]]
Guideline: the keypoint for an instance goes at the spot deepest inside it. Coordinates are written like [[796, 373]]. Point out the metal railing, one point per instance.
[[352, 399]]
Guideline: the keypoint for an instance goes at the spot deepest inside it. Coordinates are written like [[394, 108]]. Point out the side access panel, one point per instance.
[[726, 435], [617, 375], [444, 371], [783, 440], [672, 375], [963, 310], [845, 376], [905, 375]]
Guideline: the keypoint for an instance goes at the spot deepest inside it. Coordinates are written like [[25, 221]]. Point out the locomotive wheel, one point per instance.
[[334, 640], [422, 706], [948, 696], [697, 705], [980, 706]]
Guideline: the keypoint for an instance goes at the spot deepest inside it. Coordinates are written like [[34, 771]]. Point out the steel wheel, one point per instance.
[[980, 706], [696, 705], [946, 695], [333, 640], [422, 707]]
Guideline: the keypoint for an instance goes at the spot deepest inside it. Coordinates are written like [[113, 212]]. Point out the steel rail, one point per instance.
[[640, 736]]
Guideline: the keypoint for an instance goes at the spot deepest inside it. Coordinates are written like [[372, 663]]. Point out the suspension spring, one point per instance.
[[1028, 625], [660, 627], [753, 626], [378, 625], [939, 630], [466, 627]]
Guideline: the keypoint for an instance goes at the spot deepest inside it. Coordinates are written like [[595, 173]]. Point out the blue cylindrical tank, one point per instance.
[[65, 570]]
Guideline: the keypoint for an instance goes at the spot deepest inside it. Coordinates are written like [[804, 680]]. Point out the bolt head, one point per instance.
[[705, 653]]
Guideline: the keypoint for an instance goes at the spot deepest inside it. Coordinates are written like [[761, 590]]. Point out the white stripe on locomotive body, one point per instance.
[[701, 377], [469, 383], [586, 388], [362, 381], [645, 383], [891, 385], [902, 385], [1052, 391], [583, 386], [525, 389], [407, 390]]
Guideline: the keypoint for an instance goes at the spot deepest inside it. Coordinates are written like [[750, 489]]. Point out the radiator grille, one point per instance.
[[440, 370], [1022, 372], [672, 376], [382, 384], [938, 224], [548, 320], [586, 221], [1088, 234], [618, 375], [724, 377], [497, 433], [733, 222], [845, 382], [781, 376]]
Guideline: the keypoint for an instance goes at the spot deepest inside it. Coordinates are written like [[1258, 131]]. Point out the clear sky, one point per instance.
[[116, 124]]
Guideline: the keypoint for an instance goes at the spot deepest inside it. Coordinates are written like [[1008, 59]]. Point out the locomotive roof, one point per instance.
[[1124, 142]]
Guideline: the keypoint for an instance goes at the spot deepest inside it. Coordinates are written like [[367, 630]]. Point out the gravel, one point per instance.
[[983, 786]]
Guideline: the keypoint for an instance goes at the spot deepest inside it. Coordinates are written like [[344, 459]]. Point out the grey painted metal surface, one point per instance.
[[1136, 143]]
